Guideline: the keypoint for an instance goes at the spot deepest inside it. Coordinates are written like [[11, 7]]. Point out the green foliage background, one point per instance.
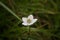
[[46, 11]]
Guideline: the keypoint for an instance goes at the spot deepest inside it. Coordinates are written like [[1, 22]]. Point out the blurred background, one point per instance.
[[46, 11]]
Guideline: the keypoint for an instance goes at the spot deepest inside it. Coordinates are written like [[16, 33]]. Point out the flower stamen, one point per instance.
[[29, 21]]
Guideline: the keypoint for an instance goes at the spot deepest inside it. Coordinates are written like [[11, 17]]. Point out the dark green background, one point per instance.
[[46, 28]]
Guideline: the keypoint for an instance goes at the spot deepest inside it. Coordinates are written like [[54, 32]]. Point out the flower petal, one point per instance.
[[24, 24], [33, 21], [30, 24], [30, 17], [24, 19]]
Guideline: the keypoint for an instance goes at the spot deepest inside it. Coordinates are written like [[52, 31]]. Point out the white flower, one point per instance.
[[29, 20]]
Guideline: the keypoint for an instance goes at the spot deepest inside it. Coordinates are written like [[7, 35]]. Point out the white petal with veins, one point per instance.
[[24, 19], [24, 24], [30, 17], [33, 21]]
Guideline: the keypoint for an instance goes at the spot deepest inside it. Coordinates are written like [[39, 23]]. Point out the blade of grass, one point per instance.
[[9, 10]]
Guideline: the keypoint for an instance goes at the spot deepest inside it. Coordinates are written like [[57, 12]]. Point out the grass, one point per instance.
[[46, 11]]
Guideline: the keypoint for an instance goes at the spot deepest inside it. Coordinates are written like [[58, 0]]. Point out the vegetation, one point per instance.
[[46, 11]]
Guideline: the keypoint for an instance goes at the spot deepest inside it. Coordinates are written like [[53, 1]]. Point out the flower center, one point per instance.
[[28, 21]]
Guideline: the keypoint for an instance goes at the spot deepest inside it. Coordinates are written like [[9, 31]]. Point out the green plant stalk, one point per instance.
[[29, 33], [9, 10]]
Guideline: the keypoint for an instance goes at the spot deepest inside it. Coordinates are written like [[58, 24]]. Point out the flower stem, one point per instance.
[[29, 33]]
